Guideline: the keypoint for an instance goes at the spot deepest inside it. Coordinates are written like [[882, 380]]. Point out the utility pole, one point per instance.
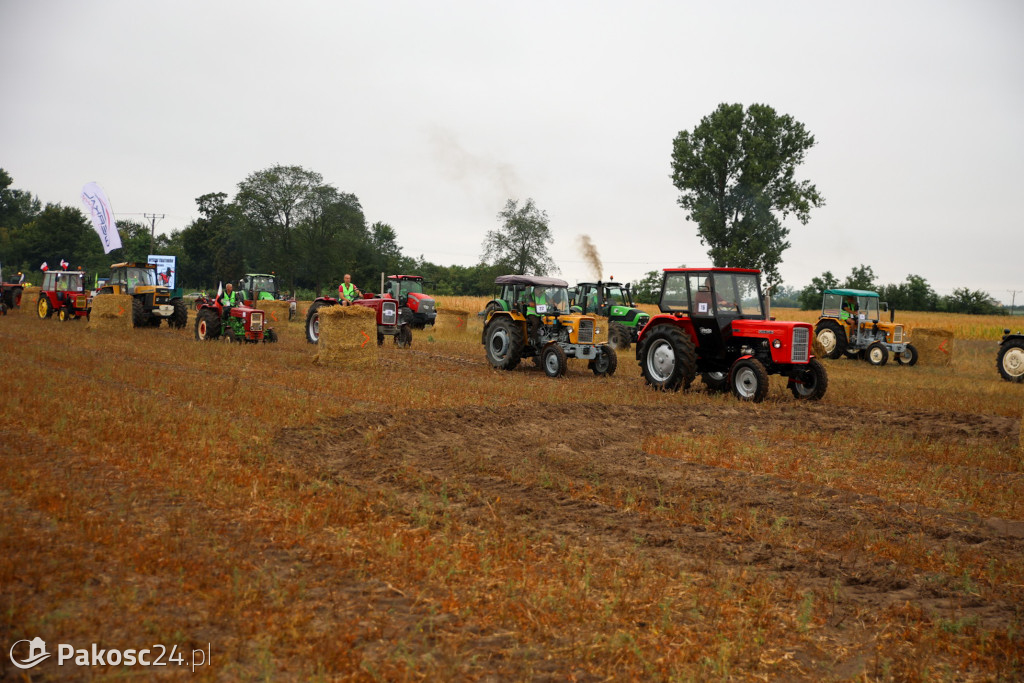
[[152, 229], [1013, 298]]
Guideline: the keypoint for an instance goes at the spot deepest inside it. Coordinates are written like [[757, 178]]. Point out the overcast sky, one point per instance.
[[435, 113]]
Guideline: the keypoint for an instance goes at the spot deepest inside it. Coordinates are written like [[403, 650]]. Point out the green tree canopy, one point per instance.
[[810, 296], [861, 277], [520, 246], [736, 175]]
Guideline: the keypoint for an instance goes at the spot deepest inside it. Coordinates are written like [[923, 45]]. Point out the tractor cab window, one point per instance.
[[48, 280], [674, 297], [556, 298], [831, 305], [701, 295], [411, 287], [738, 294], [264, 285], [72, 282], [617, 296], [867, 308], [140, 277]]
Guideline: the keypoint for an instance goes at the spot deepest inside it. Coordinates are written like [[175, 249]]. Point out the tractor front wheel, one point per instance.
[[667, 358], [908, 356], [832, 338], [503, 339], [749, 380], [139, 315], [1010, 360], [553, 360], [618, 336], [44, 309], [64, 315], [179, 318], [606, 362], [811, 382], [207, 325], [877, 354], [716, 381]]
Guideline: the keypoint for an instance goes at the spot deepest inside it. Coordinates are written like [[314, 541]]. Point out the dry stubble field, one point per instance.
[[430, 518]]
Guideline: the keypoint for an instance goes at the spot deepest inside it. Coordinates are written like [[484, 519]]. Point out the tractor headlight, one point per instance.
[[777, 343]]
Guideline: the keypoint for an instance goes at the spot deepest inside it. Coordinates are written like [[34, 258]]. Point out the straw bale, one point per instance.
[[934, 346], [301, 308], [451, 321], [348, 336], [30, 297], [276, 311], [111, 313]]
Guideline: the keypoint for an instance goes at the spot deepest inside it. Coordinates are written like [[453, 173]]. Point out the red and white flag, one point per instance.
[[98, 208], [63, 264], [44, 267]]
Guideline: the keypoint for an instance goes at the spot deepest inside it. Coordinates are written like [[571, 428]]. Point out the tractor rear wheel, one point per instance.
[[503, 339], [606, 362], [618, 336], [908, 356], [877, 354], [44, 309], [832, 338], [207, 325], [749, 380], [179, 318], [313, 322], [668, 360], [1010, 360], [553, 360], [811, 382], [852, 352], [716, 381]]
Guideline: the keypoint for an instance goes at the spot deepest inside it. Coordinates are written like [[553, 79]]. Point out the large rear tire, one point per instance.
[[749, 380], [1010, 360], [313, 322], [908, 356], [811, 382], [503, 340], [668, 360], [207, 325], [832, 338], [606, 362], [553, 361]]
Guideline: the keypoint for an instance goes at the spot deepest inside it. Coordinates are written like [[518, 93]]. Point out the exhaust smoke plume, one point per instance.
[[591, 256]]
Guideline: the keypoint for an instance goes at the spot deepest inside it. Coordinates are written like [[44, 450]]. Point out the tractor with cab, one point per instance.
[[714, 322], [63, 293], [850, 325], [151, 303], [612, 301]]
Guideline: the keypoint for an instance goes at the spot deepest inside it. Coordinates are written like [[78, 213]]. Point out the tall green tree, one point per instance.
[[521, 244], [736, 175], [861, 277], [810, 296]]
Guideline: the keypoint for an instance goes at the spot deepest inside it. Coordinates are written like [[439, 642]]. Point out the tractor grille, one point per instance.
[[897, 334], [256, 322], [586, 334], [801, 344], [388, 313]]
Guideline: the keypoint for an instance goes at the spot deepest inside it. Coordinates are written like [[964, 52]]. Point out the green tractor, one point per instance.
[[613, 301]]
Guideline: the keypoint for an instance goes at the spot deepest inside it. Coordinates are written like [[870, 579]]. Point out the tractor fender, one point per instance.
[[682, 323]]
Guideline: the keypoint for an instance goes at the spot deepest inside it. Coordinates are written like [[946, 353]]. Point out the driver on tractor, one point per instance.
[[347, 291], [228, 300]]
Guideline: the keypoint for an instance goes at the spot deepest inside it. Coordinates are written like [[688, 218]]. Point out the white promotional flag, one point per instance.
[[98, 207]]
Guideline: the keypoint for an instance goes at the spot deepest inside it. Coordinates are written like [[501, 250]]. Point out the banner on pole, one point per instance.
[[98, 207]]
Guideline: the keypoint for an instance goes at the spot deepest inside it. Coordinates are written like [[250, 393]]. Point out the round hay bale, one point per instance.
[[111, 313], [348, 336], [934, 346]]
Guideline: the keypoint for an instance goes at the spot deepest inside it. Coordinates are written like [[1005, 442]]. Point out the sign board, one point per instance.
[[166, 267]]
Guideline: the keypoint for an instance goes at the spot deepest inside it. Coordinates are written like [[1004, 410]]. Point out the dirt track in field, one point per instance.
[[501, 464]]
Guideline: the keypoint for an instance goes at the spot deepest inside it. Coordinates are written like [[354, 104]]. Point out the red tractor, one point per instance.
[[63, 292], [415, 307], [241, 323], [389, 323], [713, 322]]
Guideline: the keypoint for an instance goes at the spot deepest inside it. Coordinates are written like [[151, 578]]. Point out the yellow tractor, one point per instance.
[[530, 318], [151, 302], [850, 325]]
